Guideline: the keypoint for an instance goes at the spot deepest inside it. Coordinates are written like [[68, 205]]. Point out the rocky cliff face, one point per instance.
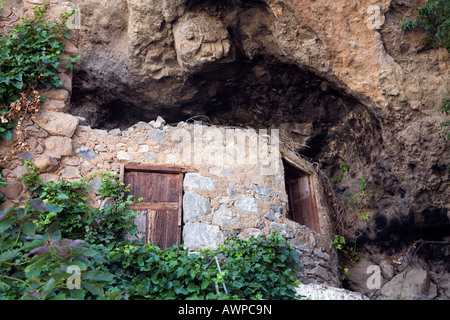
[[340, 78]]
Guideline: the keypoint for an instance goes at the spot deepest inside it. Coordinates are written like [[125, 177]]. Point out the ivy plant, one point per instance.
[[338, 178], [256, 268], [360, 199], [29, 57], [3, 183], [113, 221], [76, 218]]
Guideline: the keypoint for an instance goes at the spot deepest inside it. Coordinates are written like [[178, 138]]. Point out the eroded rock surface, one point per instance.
[[202, 43], [340, 79]]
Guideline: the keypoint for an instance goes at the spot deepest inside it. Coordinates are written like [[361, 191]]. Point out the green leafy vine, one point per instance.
[[29, 57]]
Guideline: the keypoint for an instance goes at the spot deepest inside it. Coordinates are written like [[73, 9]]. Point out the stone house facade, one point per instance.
[[230, 181]]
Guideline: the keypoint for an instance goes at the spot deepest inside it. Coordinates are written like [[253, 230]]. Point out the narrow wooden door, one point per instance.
[[159, 214], [302, 202]]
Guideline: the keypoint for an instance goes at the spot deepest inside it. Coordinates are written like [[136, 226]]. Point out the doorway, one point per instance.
[[300, 191], [159, 214]]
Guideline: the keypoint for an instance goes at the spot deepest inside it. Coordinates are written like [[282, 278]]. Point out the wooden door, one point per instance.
[[159, 214], [302, 202]]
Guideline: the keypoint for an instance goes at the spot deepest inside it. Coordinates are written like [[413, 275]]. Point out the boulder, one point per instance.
[[54, 105], [46, 163], [57, 123], [55, 94], [12, 190], [71, 173], [413, 284]]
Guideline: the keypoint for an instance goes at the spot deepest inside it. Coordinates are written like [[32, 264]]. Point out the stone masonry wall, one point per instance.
[[226, 195]]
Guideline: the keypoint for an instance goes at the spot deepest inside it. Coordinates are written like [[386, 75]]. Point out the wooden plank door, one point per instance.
[[302, 202], [159, 214]]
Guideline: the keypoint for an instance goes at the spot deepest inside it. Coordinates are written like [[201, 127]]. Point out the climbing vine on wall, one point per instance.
[[29, 57]]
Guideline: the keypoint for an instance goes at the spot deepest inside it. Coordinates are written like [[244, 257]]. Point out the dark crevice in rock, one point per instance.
[[395, 234]]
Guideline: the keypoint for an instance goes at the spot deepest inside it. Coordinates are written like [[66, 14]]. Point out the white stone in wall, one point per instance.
[[265, 191], [194, 180], [156, 135], [224, 216], [158, 124], [143, 148], [250, 232], [202, 236], [222, 171], [123, 156], [283, 229], [115, 132], [246, 203], [85, 152], [195, 206]]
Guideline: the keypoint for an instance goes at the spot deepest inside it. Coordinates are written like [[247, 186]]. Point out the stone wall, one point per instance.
[[228, 194], [219, 200]]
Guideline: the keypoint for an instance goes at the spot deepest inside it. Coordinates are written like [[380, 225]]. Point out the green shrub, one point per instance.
[[34, 265], [338, 178], [254, 269], [41, 238], [75, 217], [434, 19], [110, 223]]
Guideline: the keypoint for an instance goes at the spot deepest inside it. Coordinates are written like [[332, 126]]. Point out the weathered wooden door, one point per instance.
[[302, 202], [159, 214]]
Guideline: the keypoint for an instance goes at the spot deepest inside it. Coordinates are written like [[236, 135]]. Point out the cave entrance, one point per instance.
[[300, 190]]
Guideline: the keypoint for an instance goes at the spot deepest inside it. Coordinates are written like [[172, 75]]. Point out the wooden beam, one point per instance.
[[157, 168], [180, 200], [155, 206], [314, 204]]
